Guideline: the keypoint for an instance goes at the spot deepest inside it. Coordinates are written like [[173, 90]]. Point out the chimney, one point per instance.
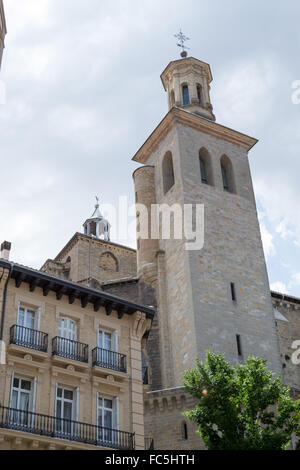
[[5, 250]]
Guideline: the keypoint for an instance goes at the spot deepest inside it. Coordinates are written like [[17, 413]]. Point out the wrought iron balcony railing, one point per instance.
[[61, 428], [109, 359], [29, 338], [70, 349]]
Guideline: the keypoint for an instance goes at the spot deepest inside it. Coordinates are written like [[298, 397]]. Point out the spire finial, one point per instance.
[[97, 202], [182, 39]]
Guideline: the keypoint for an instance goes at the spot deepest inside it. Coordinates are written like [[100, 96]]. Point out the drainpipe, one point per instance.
[[4, 300]]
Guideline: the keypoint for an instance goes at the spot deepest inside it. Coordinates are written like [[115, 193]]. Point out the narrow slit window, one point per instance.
[[239, 345], [185, 435], [233, 294]]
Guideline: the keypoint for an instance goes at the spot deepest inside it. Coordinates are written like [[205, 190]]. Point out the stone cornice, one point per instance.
[[80, 236], [183, 64], [279, 298], [180, 116]]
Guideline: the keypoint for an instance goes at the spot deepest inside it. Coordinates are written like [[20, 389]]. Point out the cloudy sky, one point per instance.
[[83, 92]]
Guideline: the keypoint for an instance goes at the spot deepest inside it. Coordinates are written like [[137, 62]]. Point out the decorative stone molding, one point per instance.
[[140, 325], [28, 357], [167, 400]]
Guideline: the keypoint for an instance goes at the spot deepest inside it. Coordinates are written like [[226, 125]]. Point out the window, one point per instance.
[[109, 262], [105, 340], [26, 317], [21, 400], [67, 332], [199, 92], [108, 346], [67, 328], [205, 167], [108, 418], [203, 171], [233, 294], [225, 178], [227, 174], [186, 96], [28, 320], [65, 410], [185, 435], [168, 172], [172, 98], [239, 345]]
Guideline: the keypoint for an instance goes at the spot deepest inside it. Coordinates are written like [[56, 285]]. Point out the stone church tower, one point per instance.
[[215, 298], [2, 30]]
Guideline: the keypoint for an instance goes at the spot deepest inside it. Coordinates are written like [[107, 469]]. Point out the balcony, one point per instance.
[[60, 428], [109, 360], [28, 338], [70, 349]]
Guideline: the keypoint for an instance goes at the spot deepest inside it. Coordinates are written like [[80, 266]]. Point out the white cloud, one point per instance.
[[295, 281], [279, 287], [243, 89], [267, 240]]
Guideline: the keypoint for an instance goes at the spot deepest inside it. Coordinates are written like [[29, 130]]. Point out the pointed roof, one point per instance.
[[96, 214]]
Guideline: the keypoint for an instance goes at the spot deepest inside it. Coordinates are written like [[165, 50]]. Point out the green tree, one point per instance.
[[243, 408]]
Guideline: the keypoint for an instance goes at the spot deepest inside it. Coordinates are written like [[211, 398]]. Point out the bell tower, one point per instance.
[[2, 29], [96, 226], [187, 83], [215, 297]]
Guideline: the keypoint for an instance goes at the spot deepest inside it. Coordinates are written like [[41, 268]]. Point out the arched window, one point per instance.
[[227, 174], [168, 172], [199, 93], [185, 95], [184, 431], [205, 167], [172, 98], [109, 262]]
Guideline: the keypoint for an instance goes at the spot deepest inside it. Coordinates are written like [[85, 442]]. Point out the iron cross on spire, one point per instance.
[[182, 39]]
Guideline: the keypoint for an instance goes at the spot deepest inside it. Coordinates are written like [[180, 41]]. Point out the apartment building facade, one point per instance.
[[71, 371]]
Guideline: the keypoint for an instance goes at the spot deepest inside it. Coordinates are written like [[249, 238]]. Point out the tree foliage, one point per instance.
[[243, 408]]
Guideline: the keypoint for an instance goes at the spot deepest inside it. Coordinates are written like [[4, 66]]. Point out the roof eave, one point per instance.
[[180, 115], [62, 287]]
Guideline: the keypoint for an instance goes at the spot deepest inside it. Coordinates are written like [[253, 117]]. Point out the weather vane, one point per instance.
[[182, 39]]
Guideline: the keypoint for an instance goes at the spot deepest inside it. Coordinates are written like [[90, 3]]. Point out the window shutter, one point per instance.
[[97, 404], [116, 414], [56, 387], [38, 319], [33, 401], [116, 435], [19, 322], [11, 388], [34, 395], [116, 341], [60, 327], [77, 405]]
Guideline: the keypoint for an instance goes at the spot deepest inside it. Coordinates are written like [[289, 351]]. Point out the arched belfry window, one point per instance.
[[185, 95], [227, 174], [205, 167], [199, 94], [168, 172], [172, 98]]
